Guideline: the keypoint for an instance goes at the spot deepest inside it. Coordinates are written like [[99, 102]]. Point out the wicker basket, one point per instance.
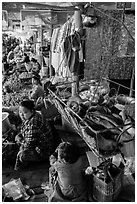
[[107, 192]]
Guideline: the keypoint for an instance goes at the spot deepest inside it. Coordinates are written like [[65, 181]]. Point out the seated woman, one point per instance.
[[69, 166], [37, 94], [5, 69], [37, 89], [24, 58], [35, 66], [28, 64], [35, 139]]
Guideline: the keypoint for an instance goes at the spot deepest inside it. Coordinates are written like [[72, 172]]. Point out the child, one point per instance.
[[68, 165]]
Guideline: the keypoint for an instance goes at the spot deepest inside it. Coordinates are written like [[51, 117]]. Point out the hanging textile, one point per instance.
[[67, 52], [63, 69], [54, 38], [72, 56], [55, 55], [59, 34]]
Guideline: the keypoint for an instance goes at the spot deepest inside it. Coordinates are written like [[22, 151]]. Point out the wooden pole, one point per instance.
[[132, 82], [41, 36], [78, 27], [50, 53]]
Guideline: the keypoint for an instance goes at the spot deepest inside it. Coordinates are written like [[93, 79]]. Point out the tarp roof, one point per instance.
[[62, 6], [71, 5], [53, 5]]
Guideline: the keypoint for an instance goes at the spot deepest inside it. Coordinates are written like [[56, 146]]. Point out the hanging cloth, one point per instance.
[[72, 54], [54, 39]]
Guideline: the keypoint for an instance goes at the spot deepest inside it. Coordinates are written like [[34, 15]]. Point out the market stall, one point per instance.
[[86, 106]]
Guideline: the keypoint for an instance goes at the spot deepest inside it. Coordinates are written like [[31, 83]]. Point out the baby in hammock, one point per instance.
[[69, 166]]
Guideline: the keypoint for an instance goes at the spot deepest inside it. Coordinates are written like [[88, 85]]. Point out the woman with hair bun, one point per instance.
[[35, 139]]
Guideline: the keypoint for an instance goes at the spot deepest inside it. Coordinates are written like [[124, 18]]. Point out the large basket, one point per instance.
[[107, 192]]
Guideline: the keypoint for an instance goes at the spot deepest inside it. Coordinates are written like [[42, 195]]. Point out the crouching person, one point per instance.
[[67, 175], [35, 139]]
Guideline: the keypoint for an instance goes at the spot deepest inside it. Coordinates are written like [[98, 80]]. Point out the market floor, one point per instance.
[[35, 176], [127, 194]]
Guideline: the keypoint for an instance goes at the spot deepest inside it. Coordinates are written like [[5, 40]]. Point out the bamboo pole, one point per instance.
[[50, 53], [41, 36], [78, 27], [132, 82]]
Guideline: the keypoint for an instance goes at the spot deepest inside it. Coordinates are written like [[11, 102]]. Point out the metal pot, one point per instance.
[[123, 99]]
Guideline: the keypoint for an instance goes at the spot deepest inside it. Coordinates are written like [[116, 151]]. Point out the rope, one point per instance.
[[121, 22], [119, 126], [118, 138], [118, 84]]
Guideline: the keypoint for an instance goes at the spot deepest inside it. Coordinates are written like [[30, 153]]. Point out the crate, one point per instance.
[[107, 192]]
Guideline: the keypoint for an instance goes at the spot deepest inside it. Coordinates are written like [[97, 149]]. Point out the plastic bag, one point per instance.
[[15, 189]]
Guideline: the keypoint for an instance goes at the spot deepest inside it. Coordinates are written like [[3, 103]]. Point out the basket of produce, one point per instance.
[[107, 182]]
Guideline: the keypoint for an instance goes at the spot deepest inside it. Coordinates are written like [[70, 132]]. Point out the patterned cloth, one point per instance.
[[36, 141], [35, 133]]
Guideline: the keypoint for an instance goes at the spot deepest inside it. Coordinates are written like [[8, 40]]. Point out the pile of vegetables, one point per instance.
[[14, 91]]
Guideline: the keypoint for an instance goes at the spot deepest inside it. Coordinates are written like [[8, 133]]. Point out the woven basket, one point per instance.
[[104, 192]]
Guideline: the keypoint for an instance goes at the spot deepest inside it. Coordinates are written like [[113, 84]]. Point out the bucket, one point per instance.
[[6, 126]]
